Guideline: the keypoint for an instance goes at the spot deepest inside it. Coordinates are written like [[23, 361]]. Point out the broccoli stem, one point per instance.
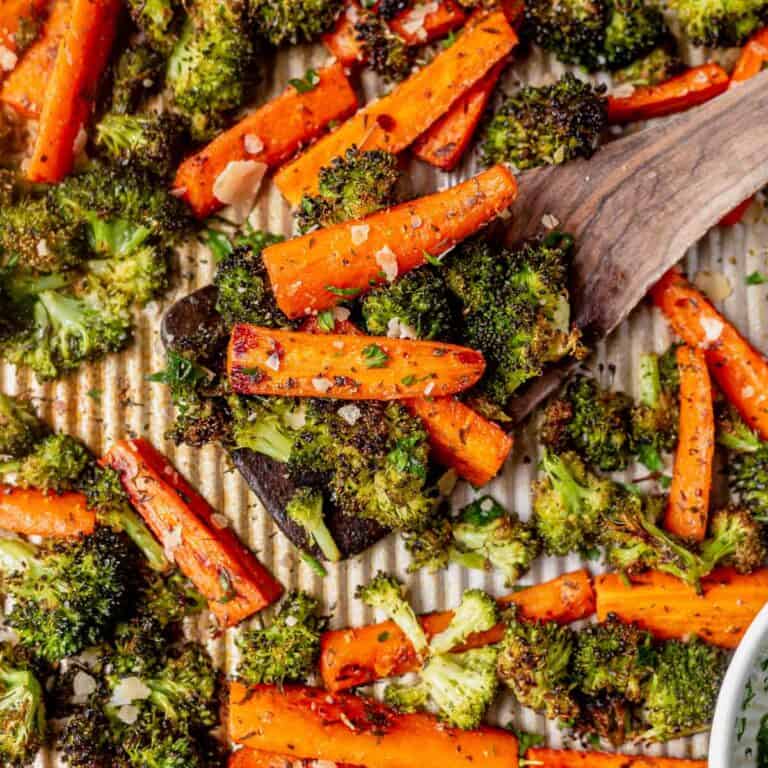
[[267, 438], [306, 509], [16, 555], [650, 380], [126, 520]]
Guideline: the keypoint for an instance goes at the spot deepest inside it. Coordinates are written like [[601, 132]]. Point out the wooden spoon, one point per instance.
[[640, 203]]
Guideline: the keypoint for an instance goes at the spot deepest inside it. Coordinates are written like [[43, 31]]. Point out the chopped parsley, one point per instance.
[[307, 83], [342, 291], [326, 321], [375, 356], [756, 278]]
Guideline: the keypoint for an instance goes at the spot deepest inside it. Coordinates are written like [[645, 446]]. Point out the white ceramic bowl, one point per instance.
[[736, 712]]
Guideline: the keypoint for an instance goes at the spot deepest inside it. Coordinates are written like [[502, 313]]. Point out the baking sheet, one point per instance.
[[113, 399]]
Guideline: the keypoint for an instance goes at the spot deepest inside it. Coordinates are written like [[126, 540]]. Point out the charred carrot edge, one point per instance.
[[360, 655], [688, 505], [255, 758], [34, 513], [395, 121], [276, 130], [462, 439], [323, 268], [739, 370], [343, 728], [12, 12], [668, 608], [233, 581], [444, 144], [80, 61], [265, 361], [693, 87], [566, 758], [459, 437], [24, 89]]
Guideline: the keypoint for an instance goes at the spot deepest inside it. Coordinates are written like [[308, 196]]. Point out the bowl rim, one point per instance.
[[723, 734]]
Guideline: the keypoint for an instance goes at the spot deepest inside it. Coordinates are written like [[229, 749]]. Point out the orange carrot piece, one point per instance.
[[396, 120], [278, 129], [255, 758], [16, 16], [447, 17], [210, 555], [360, 655], [342, 40], [740, 371], [462, 439], [444, 144], [693, 87], [343, 728], [566, 758], [688, 505], [264, 361], [69, 96], [31, 512], [317, 271], [24, 89], [669, 608]]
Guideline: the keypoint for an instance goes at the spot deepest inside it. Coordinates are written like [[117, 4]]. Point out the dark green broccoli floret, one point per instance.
[[280, 21], [22, 709], [547, 125], [385, 52], [733, 432], [735, 539], [486, 528], [211, 66], [263, 424], [614, 658], [634, 29], [151, 141], [515, 309], [683, 689], [659, 65], [86, 739], [568, 504], [477, 612], [288, 649], [67, 596], [351, 187], [534, 662], [725, 23], [431, 547], [593, 422], [56, 464], [655, 417], [416, 305], [748, 477], [20, 429], [306, 509], [155, 18], [138, 72], [387, 594]]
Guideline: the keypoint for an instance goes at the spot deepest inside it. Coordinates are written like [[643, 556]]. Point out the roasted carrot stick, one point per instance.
[[255, 758], [566, 758], [269, 135], [688, 505], [319, 270], [264, 361], [669, 608], [693, 87], [25, 87], [444, 144], [752, 61], [462, 439], [360, 655], [342, 40], [343, 728], [209, 554], [17, 18], [81, 59], [33, 513], [740, 371], [395, 121]]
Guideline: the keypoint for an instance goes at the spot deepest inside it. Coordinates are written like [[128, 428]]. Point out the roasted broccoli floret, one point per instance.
[[211, 66], [477, 612], [534, 662], [415, 306], [151, 141], [683, 689], [593, 422], [138, 72], [568, 504], [352, 186], [723, 24], [280, 21], [86, 739], [67, 596], [155, 18], [287, 650], [22, 709], [56, 464], [614, 658], [515, 309], [306, 509], [547, 125], [431, 547], [733, 432], [407, 698], [634, 29], [268, 425], [659, 65], [387, 594], [486, 528], [20, 429], [748, 477], [735, 539], [654, 418], [386, 53]]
